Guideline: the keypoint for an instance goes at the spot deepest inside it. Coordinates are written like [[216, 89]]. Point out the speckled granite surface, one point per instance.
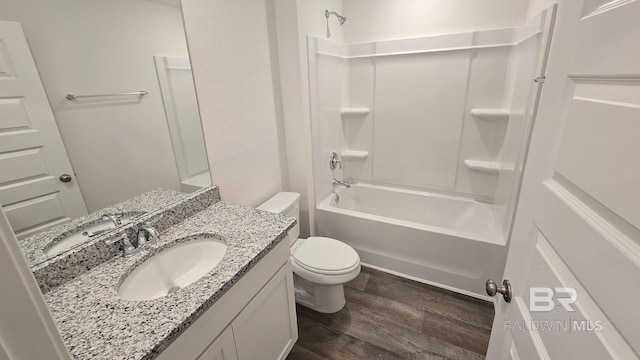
[[33, 246], [96, 324], [77, 261]]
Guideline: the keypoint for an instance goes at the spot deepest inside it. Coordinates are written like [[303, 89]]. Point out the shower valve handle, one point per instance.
[[334, 161]]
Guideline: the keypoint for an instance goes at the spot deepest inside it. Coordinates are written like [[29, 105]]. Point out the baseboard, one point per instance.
[[432, 283]]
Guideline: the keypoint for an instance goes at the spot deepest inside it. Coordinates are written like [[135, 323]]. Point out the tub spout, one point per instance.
[[337, 183]]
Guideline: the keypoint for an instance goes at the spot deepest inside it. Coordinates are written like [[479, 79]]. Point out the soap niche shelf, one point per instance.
[[354, 155], [487, 167], [354, 112], [491, 114], [499, 118]]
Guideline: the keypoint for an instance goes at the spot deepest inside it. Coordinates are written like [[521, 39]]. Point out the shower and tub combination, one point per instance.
[[430, 133], [453, 242]]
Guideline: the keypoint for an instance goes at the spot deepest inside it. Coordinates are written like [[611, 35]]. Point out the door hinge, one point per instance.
[[540, 79]]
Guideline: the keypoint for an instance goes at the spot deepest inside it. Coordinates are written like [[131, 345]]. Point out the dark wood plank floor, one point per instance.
[[389, 317]]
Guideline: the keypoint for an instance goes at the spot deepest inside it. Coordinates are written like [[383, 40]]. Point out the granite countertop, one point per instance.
[[33, 246], [96, 324]]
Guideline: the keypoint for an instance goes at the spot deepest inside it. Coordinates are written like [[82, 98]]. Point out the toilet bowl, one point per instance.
[[321, 265]]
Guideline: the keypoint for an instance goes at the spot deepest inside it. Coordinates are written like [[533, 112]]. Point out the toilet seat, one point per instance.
[[326, 256]]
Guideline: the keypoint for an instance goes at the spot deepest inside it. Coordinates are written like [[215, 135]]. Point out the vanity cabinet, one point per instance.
[[267, 327], [255, 319], [222, 348]]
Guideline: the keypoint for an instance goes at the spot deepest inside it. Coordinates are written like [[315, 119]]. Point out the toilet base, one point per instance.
[[326, 299]]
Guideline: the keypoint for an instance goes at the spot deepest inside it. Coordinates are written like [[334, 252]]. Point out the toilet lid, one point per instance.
[[326, 256]]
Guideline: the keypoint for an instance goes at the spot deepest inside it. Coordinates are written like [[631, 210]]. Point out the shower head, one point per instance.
[[341, 18]]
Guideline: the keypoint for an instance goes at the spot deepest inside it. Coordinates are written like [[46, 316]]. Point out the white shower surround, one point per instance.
[[448, 241], [448, 251]]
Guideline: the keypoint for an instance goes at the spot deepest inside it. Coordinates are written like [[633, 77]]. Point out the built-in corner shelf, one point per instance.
[[354, 112], [354, 155], [488, 167], [491, 114]]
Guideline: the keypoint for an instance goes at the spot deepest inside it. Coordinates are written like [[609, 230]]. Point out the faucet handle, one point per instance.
[[138, 226], [334, 161], [147, 234], [127, 245]]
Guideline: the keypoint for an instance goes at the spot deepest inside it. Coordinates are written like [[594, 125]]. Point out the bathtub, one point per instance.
[[451, 242]]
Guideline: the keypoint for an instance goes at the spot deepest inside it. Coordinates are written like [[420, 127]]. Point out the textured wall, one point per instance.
[[372, 20], [295, 20], [229, 44]]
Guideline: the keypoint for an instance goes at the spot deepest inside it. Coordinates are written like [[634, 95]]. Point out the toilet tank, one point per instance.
[[288, 204]]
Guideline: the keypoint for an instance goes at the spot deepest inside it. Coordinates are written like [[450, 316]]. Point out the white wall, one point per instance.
[[229, 45], [118, 149], [295, 20], [374, 20], [536, 6]]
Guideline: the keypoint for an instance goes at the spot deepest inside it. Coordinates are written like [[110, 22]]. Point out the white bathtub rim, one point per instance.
[[324, 205], [414, 192], [432, 283]]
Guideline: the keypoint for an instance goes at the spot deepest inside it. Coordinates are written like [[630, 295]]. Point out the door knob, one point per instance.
[[504, 289], [65, 178]]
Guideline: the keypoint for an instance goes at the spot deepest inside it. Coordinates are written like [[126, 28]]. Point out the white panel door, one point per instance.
[[574, 257], [32, 155], [267, 328]]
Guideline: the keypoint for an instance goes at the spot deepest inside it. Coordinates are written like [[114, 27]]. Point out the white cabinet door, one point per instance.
[[32, 155], [222, 348], [574, 257], [267, 328]]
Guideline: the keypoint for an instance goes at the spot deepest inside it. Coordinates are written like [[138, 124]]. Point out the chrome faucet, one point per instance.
[[337, 183], [146, 234], [128, 248]]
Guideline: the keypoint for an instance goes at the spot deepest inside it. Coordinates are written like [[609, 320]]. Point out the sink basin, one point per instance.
[[84, 233], [173, 269]]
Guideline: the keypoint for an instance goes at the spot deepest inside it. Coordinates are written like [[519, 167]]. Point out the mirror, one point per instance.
[[75, 163]]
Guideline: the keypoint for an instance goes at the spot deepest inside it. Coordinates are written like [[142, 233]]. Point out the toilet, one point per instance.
[[321, 265]]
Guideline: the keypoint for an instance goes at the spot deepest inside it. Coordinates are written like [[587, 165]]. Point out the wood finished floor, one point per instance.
[[389, 317]]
